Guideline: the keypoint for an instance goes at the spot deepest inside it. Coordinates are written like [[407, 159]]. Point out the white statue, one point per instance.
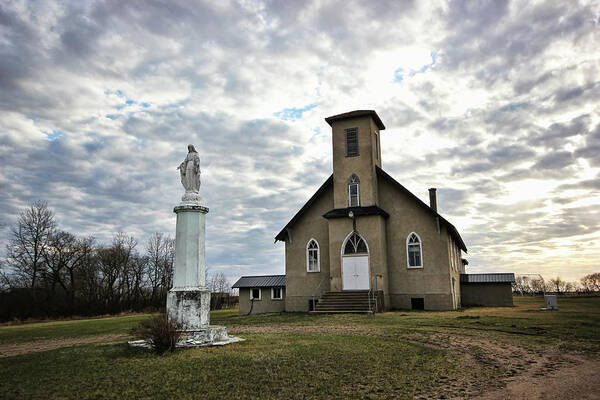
[[189, 170]]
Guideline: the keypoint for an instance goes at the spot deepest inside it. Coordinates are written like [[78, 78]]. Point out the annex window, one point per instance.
[[351, 136], [276, 293], [355, 245], [414, 252], [255, 294], [353, 191], [313, 262]]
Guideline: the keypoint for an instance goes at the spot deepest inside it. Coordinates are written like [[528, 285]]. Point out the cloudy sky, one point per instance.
[[497, 104]]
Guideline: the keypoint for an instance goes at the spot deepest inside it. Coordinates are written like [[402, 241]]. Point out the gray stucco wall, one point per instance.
[[264, 305], [300, 283], [433, 281], [486, 294]]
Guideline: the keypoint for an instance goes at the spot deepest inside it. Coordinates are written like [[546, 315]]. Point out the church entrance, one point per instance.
[[355, 263]]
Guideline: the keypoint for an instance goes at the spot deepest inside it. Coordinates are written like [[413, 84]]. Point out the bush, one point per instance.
[[162, 334]]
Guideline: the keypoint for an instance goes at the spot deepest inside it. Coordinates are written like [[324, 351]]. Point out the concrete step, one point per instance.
[[347, 301], [340, 312]]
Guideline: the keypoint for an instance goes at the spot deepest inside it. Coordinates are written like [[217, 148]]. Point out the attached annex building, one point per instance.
[[363, 237]]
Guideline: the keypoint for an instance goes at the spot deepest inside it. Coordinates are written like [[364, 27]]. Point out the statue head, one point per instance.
[[191, 148]]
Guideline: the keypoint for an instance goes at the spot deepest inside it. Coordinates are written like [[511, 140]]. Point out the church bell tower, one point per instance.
[[356, 153]]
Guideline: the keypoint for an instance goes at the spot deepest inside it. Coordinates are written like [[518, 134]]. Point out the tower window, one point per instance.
[[353, 191], [376, 146], [351, 135]]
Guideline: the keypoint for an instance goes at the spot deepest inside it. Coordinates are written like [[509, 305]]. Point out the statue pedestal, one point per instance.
[[188, 302]]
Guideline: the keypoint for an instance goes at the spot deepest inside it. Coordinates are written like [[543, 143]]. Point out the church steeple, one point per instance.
[[356, 153]]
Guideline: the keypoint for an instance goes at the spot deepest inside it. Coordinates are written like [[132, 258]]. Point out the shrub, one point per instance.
[[162, 334]]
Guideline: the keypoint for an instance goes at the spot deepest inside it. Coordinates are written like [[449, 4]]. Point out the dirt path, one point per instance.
[[16, 349], [520, 372], [575, 381]]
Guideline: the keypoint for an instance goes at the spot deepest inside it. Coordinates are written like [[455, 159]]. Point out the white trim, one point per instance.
[[348, 237], [318, 256], [420, 252], [259, 294], [280, 292]]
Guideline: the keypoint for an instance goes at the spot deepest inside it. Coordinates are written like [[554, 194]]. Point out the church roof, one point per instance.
[[337, 212], [451, 228], [508, 277], [355, 114], [260, 281], [281, 235]]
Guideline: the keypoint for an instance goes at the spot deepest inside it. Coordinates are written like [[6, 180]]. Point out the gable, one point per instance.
[[326, 185], [381, 174]]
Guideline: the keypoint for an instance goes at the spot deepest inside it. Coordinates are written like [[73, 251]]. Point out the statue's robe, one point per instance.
[[190, 172]]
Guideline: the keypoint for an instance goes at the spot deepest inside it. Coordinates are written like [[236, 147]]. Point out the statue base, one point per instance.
[[189, 307]]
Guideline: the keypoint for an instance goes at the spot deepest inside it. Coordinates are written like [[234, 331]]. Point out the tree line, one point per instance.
[[536, 285], [48, 272]]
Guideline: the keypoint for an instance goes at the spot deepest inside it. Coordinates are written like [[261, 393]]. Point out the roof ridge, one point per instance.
[[313, 198], [452, 228]]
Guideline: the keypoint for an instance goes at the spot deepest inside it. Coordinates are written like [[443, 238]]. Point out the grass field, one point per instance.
[[292, 355]]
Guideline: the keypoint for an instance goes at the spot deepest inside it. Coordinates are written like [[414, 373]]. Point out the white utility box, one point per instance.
[[551, 302]]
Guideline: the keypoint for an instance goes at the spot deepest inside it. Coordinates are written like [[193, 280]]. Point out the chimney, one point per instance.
[[433, 199]]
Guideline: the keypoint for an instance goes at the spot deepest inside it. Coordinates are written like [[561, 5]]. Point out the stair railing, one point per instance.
[[314, 306]]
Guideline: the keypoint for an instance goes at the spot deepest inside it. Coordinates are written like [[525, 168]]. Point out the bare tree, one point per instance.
[[114, 262], [138, 270], [160, 250], [29, 240], [591, 282], [558, 285], [537, 285]]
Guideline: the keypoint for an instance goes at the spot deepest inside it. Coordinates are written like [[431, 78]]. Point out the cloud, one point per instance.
[[497, 107]]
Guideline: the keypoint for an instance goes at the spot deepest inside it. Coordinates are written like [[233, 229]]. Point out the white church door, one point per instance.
[[355, 273], [355, 263]]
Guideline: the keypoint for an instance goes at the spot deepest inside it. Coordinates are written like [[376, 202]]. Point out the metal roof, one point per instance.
[[260, 281], [508, 277]]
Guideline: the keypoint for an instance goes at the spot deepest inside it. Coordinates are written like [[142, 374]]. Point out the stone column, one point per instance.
[[188, 302]]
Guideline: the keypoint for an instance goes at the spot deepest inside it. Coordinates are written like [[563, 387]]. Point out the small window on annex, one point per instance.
[[353, 191], [414, 251], [276, 293], [313, 263], [255, 294]]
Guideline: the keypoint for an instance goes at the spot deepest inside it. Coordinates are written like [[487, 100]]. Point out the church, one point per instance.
[[363, 242]]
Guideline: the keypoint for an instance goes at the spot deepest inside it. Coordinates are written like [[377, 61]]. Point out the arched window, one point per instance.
[[353, 191], [414, 251], [355, 245], [313, 259]]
